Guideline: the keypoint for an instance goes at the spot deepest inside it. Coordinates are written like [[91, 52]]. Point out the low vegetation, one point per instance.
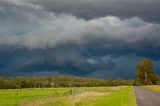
[[80, 96], [58, 81]]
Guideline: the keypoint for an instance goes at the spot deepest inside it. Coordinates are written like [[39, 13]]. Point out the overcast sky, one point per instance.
[[88, 38]]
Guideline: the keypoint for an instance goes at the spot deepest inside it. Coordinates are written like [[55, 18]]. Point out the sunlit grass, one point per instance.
[[155, 88], [111, 96], [94, 96], [18, 96], [122, 97]]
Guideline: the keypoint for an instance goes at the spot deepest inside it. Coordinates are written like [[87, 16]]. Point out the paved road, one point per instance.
[[146, 97]]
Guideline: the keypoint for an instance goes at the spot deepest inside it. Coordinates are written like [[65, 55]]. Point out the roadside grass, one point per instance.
[[95, 96], [123, 97], [155, 88]]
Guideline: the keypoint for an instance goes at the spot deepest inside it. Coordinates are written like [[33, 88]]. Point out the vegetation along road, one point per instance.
[[147, 97]]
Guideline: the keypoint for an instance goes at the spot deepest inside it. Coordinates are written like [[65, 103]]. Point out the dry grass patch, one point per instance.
[[88, 95], [91, 94], [118, 88], [40, 102], [156, 86], [74, 98]]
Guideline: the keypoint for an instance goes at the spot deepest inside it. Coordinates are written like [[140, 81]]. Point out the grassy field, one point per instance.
[[94, 96], [155, 88]]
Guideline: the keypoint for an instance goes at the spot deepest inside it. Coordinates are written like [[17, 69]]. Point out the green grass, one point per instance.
[[122, 97], [94, 96], [155, 88], [18, 96]]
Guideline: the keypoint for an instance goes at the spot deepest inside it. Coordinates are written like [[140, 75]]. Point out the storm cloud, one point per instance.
[[88, 9], [49, 37], [33, 27]]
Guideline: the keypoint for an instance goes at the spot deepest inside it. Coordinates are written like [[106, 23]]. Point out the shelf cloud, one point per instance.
[[33, 27]]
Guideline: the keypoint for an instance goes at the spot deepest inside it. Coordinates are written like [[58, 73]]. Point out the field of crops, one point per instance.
[[93, 96]]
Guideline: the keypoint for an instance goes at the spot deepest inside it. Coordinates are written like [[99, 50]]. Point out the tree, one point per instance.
[[145, 72]]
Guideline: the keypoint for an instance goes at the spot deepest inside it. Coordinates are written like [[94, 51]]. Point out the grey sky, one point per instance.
[[147, 9], [85, 38]]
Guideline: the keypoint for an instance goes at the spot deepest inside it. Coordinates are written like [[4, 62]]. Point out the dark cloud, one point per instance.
[[52, 61], [53, 37], [146, 9]]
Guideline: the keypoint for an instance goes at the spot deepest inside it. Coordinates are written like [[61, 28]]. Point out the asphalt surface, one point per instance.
[[147, 97]]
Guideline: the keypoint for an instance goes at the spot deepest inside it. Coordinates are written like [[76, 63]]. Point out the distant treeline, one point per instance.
[[58, 81]]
